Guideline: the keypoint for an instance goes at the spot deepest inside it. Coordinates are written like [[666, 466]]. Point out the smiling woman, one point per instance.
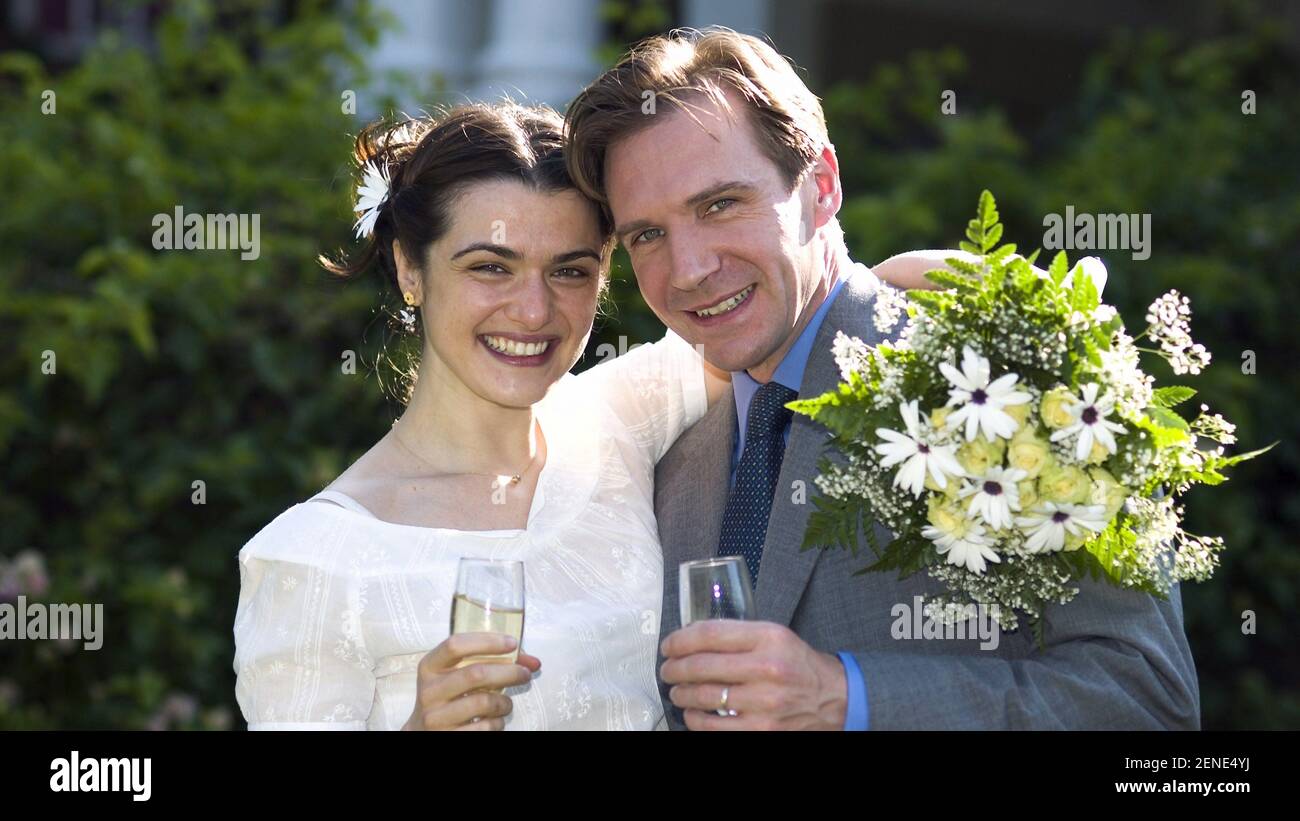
[[513, 281], [499, 454]]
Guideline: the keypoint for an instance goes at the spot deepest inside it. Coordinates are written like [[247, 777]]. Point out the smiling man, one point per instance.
[[712, 159]]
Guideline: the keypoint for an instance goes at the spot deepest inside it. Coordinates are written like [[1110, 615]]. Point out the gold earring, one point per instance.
[[407, 314]]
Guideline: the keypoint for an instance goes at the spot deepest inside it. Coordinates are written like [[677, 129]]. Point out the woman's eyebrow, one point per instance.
[[510, 253], [499, 250]]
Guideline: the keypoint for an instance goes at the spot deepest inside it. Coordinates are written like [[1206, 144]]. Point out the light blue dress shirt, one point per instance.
[[790, 374]]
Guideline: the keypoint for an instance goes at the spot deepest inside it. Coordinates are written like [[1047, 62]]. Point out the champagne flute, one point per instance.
[[489, 598], [717, 588]]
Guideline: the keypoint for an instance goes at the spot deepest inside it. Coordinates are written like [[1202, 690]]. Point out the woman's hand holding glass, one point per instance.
[[449, 697]]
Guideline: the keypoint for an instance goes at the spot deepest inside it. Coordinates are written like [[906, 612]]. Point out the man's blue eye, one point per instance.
[[642, 236], [727, 200]]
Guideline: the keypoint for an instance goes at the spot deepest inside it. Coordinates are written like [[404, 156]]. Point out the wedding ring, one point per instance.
[[722, 708]]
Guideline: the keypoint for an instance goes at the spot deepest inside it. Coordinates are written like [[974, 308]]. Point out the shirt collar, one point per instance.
[[790, 372]]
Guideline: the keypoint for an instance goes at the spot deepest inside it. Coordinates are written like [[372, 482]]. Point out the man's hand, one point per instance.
[[776, 680]]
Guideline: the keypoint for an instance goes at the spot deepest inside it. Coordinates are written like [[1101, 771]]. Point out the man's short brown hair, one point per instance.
[[682, 66]]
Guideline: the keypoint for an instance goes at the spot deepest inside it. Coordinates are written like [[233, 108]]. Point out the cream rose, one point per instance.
[[1029, 452], [1055, 407], [1028, 493], [1106, 491], [947, 517], [979, 454], [1020, 413], [1064, 484]]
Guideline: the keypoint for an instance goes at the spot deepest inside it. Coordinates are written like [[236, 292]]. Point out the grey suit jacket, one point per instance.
[[1114, 658]]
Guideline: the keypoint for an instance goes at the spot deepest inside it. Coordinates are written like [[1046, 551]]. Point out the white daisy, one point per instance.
[[916, 454], [371, 193], [1048, 523], [994, 495], [981, 401], [965, 544], [1090, 423]]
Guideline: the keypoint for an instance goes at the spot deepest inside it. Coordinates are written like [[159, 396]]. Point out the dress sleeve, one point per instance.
[[300, 661], [656, 390]]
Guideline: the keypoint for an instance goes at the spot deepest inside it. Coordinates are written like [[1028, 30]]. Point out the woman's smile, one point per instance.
[[525, 350]]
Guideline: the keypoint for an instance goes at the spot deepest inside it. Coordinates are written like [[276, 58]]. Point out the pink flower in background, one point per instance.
[[24, 576], [9, 693], [176, 709]]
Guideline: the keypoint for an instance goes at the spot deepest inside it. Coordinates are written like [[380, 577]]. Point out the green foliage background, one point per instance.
[[175, 367]]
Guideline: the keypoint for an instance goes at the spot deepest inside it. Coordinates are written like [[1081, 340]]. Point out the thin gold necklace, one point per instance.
[[513, 477]]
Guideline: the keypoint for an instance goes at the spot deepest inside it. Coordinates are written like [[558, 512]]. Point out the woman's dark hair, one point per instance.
[[430, 160]]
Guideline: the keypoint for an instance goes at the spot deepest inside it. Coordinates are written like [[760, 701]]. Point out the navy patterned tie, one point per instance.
[[744, 522]]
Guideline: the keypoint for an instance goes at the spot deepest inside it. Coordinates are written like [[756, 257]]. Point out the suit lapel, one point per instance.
[[786, 568], [691, 486]]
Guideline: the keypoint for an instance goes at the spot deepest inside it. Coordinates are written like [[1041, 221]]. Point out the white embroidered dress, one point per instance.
[[337, 607]]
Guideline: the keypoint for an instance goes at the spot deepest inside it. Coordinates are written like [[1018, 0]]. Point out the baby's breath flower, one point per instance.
[[889, 305], [1213, 426], [1172, 310], [851, 354], [1192, 358], [1169, 325]]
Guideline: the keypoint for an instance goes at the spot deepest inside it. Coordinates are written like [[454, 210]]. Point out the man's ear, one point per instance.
[[408, 275], [825, 177]]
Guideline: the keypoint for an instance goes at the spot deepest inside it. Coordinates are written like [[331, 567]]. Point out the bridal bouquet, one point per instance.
[[1011, 441]]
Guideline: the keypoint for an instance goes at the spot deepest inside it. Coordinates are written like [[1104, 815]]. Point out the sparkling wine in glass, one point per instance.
[[716, 588], [489, 598]]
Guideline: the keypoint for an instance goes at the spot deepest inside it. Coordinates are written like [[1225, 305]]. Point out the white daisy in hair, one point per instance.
[[371, 193], [1090, 423], [916, 455], [1048, 523], [981, 401], [994, 495], [964, 543]]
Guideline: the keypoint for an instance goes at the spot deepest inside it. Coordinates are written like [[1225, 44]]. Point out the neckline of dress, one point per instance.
[[561, 457], [370, 517]]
